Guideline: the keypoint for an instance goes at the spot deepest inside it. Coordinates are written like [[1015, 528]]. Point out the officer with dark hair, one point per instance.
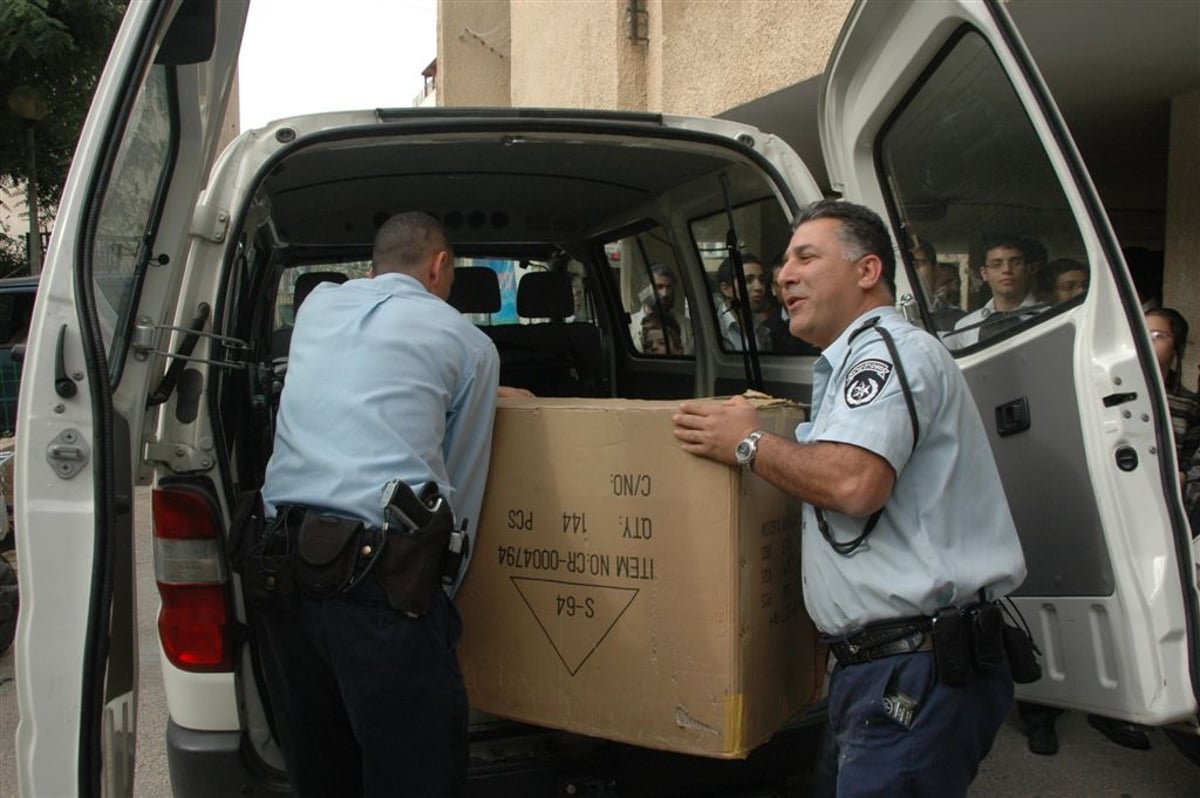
[[902, 586]]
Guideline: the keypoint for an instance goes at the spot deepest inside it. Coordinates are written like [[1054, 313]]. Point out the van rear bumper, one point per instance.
[[208, 764]]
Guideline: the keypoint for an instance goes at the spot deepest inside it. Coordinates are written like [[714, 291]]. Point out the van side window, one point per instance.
[[128, 212], [645, 269], [987, 237], [763, 230]]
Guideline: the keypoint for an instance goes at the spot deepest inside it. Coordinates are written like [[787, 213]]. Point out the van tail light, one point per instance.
[[195, 623]]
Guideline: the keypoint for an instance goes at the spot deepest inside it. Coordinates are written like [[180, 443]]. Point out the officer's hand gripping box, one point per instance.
[[624, 589]]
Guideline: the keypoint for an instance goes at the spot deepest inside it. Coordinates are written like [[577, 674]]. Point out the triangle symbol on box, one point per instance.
[[576, 617]]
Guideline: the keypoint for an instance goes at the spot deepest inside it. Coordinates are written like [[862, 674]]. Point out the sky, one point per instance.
[[306, 56]]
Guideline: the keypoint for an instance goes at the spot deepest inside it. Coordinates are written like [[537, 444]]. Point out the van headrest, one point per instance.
[[545, 295], [306, 282], [476, 289]]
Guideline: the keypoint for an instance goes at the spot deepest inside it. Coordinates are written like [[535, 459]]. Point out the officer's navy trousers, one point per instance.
[[895, 731], [367, 701]]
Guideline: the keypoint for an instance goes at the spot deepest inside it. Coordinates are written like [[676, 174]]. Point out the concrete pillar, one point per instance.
[[1182, 247]]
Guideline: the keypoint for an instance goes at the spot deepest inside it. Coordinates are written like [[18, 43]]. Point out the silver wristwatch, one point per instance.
[[747, 450]]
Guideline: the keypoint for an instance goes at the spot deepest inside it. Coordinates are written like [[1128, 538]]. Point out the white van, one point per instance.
[[159, 346]]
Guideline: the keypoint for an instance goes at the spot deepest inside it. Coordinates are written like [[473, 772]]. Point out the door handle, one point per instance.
[[1012, 417], [64, 386]]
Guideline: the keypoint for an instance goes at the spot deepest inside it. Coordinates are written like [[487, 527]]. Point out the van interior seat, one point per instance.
[[281, 339], [476, 289], [554, 357]]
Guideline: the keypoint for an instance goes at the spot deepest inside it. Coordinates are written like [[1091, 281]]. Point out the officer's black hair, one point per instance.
[[862, 230], [406, 240]]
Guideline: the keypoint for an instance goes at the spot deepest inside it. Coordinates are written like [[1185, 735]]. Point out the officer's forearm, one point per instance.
[[833, 476]]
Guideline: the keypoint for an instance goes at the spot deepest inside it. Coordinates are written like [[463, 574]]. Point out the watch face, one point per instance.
[[744, 450]]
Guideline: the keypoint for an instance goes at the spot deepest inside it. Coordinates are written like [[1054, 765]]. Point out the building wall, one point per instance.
[[576, 57], [474, 53], [687, 58], [714, 55]]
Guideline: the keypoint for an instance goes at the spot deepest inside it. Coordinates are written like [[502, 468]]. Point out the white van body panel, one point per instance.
[[1126, 653], [200, 701]]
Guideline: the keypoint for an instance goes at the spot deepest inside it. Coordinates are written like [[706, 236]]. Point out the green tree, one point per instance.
[[57, 48]]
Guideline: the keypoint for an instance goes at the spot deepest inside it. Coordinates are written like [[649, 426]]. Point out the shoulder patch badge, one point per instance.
[[865, 380]]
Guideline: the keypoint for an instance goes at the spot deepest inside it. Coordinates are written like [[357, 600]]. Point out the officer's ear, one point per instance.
[[870, 271], [440, 274]]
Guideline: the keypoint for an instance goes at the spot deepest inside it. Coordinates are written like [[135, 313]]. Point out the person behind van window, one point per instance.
[[947, 285], [1062, 280], [1009, 264], [659, 336], [386, 381], [925, 264], [1168, 335], [759, 303], [663, 299], [924, 489]]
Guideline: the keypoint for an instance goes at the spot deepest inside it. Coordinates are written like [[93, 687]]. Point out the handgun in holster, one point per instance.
[[423, 550]]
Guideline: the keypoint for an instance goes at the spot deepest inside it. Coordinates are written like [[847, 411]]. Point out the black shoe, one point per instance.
[[1043, 740], [1129, 735]]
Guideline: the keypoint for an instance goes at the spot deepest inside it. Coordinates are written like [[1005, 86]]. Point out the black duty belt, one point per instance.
[[885, 639]]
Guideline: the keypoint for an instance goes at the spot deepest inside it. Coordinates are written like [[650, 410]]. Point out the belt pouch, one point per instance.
[[264, 557], [987, 645], [326, 553], [1022, 655], [410, 567], [951, 647]]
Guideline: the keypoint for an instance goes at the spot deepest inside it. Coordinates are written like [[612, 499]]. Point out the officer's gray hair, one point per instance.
[[862, 233]]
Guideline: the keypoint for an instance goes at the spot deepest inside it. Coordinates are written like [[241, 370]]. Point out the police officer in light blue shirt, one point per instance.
[[385, 381], [905, 519]]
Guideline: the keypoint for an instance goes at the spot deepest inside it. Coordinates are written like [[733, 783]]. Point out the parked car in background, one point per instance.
[[17, 295]]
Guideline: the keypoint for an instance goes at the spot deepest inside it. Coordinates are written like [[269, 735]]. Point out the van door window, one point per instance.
[[123, 241], [989, 239], [646, 270], [763, 231]]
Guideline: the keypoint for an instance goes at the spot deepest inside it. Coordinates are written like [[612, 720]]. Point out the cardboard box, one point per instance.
[[624, 589]]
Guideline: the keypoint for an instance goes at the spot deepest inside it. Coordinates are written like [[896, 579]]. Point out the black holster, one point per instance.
[[418, 556]]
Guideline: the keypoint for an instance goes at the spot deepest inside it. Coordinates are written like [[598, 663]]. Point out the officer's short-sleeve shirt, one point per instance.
[[946, 531]]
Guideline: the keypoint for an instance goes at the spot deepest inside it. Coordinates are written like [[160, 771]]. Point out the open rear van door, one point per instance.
[[112, 270], [934, 114]]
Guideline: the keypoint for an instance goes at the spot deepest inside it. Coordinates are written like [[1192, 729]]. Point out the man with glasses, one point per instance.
[[1009, 265]]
